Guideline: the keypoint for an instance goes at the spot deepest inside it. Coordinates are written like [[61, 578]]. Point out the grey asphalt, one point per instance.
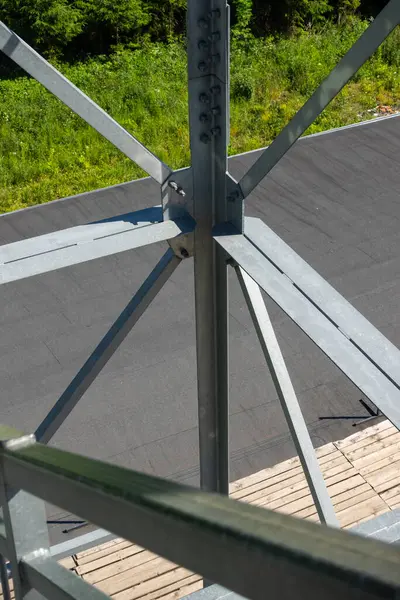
[[334, 198]]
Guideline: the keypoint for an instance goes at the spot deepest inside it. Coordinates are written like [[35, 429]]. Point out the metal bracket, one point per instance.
[[235, 203], [183, 246], [177, 194]]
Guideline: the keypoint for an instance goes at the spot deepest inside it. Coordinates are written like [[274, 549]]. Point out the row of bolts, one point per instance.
[[215, 90]]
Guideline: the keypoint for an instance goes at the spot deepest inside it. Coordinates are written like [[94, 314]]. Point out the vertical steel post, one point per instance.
[[208, 49], [25, 524]]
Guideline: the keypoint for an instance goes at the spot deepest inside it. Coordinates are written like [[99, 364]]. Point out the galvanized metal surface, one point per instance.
[[24, 520], [81, 543], [68, 248], [322, 331], [208, 51], [242, 547], [362, 333], [108, 345], [207, 26], [288, 399], [55, 582]]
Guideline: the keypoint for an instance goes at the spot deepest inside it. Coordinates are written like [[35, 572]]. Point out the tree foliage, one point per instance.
[[75, 28]]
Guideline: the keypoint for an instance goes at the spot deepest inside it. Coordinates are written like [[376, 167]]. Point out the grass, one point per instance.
[[47, 152]]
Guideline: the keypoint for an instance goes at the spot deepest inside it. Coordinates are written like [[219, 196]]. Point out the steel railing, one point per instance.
[[252, 551]]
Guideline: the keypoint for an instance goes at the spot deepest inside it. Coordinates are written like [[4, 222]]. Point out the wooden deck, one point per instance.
[[362, 473]]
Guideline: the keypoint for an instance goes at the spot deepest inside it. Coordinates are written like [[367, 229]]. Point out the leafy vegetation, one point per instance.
[[47, 152], [77, 28]]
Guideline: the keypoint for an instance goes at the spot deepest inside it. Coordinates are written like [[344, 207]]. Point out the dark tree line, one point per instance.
[[76, 28]]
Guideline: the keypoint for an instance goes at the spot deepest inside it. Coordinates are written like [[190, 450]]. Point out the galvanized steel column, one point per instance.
[[208, 44]]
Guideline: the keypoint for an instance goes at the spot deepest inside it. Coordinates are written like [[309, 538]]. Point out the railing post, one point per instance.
[[25, 524]]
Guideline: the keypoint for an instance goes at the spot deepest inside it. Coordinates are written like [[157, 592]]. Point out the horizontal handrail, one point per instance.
[[249, 550]]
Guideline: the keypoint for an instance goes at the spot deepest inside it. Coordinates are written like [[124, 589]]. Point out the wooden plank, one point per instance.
[[307, 500], [123, 581], [323, 454], [339, 477], [393, 502], [131, 563], [368, 508], [394, 491], [263, 475], [168, 582], [363, 434], [188, 589], [109, 559], [373, 447], [384, 477], [67, 562], [294, 484], [292, 507], [335, 467], [375, 457], [325, 450], [348, 494], [102, 550], [379, 463], [295, 492], [387, 485], [378, 437], [355, 500], [282, 481], [367, 518], [179, 589], [371, 435], [280, 488]]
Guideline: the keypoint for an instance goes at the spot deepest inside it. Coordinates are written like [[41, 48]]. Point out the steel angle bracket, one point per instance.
[[235, 203], [177, 194], [352, 357], [84, 243]]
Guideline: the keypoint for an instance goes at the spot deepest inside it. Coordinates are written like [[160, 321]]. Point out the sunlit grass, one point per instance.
[[47, 152]]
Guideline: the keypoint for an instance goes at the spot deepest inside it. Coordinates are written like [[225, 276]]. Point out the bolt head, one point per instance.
[[215, 59], [215, 90], [215, 36], [203, 118], [202, 66], [203, 23], [205, 138], [204, 98], [216, 110], [215, 131], [202, 45]]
